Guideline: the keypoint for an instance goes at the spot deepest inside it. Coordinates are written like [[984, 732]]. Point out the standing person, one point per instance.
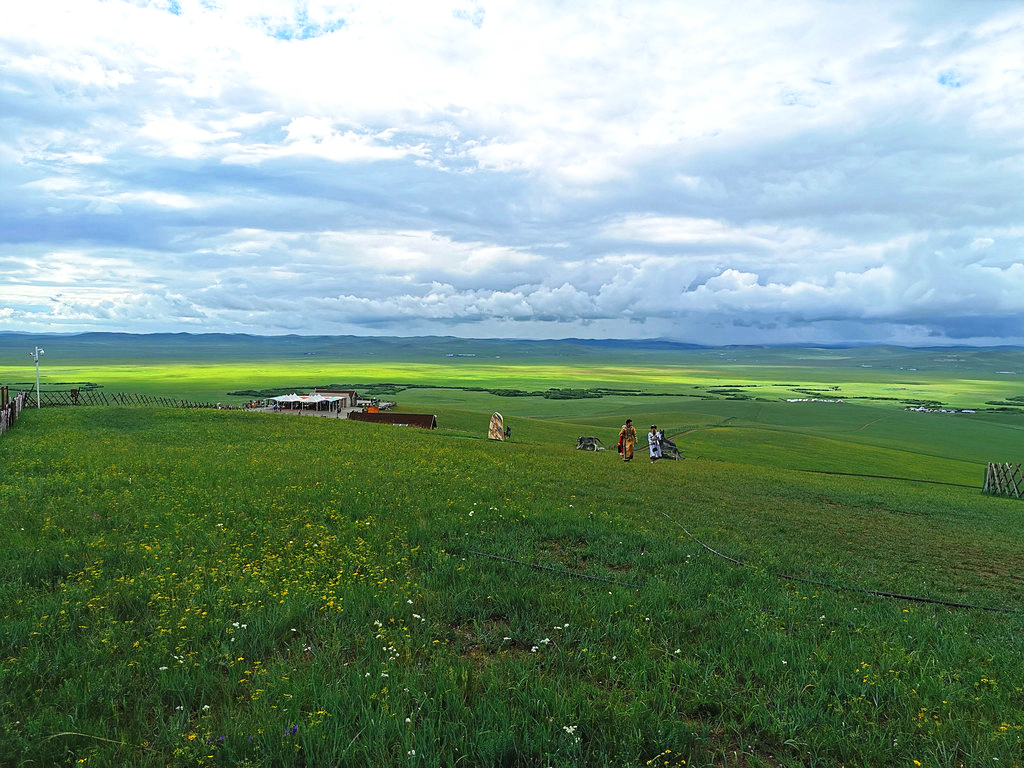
[[654, 443], [627, 439]]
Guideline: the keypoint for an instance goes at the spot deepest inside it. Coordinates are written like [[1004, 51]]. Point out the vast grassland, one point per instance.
[[209, 367], [210, 587]]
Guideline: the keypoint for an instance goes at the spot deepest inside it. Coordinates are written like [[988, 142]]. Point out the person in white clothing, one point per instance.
[[654, 443]]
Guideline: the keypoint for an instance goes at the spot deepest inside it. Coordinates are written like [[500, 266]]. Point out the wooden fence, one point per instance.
[[52, 398], [1004, 480], [10, 407]]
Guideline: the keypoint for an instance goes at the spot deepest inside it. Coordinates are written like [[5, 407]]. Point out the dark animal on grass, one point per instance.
[[589, 444], [668, 447]]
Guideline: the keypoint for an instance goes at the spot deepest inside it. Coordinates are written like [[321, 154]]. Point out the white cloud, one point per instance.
[[82, 71], [103, 199], [169, 135], [724, 173], [318, 138]]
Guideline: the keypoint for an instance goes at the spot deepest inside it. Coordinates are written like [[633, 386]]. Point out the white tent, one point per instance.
[[315, 401]]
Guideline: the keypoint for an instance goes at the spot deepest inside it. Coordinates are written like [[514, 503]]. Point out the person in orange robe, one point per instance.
[[627, 439]]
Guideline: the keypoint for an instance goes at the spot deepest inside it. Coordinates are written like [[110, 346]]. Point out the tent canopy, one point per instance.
[[316, 397], [495, 430]]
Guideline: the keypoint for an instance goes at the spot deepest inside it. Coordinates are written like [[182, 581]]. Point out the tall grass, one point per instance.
[[233, 588]]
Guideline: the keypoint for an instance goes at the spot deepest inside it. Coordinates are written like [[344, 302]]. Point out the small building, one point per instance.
[[421, 420], [316, 402], [348, 397]]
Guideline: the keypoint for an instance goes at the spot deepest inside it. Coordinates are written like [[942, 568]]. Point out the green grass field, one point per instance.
[[209, 367], [221, 587]]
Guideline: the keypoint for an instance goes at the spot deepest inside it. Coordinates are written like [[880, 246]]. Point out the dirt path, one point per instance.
[[880, 418]]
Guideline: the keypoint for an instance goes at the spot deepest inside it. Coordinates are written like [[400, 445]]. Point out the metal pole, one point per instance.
[[35, 356]]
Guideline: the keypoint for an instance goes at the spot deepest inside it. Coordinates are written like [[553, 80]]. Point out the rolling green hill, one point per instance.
[[223, 587]]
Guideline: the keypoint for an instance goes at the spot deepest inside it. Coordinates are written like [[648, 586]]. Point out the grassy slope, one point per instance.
[[147, 539]]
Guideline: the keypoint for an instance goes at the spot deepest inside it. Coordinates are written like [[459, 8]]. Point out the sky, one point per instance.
[[715, 173]]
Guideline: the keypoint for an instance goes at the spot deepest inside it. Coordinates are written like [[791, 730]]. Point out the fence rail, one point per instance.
[[10, 407], [55, 397], [1004, 479]]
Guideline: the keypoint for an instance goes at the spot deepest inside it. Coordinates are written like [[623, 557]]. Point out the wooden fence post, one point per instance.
[[1004, 479], [10, 410], [58, 397]]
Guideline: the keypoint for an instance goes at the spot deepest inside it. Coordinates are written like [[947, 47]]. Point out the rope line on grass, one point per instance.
[[847, 588], [98, 738], [857, 474], [560, 571], [885, 477]]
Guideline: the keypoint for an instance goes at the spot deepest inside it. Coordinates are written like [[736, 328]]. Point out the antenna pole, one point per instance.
[[35, 356]]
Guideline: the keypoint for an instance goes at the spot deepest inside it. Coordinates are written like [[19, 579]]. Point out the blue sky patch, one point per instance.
[[301, 29], [474, 15], [951, 79]]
